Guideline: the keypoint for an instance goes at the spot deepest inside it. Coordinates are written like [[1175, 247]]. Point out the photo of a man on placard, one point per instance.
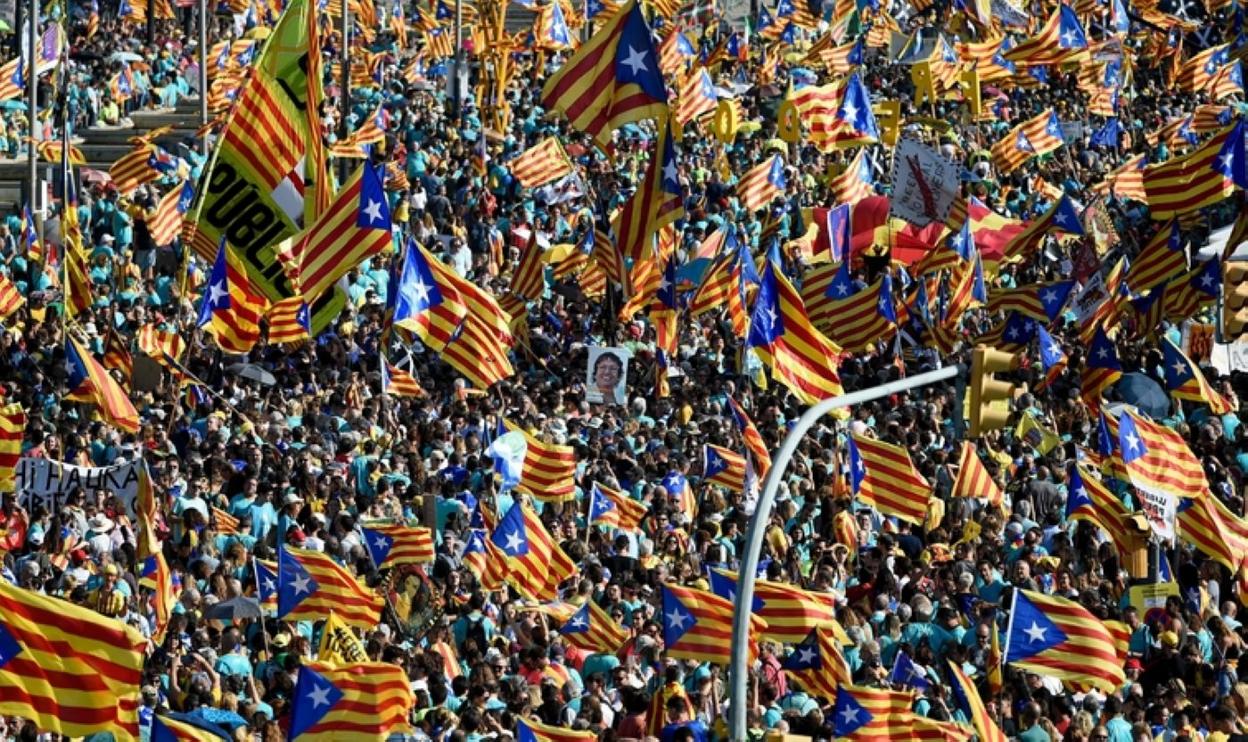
[[606, 375]]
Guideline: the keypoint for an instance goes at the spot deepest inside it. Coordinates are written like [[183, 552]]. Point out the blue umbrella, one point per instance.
[[1144, 392]]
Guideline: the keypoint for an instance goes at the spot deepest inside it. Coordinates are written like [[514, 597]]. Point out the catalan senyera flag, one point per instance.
[[867, 714], [223, 521], [854, 320], [548, 469], [724, 468], [166, 222], [310, 585], [134, 169], [614, 508], [1197, 72], [165, 729], [967, 697], [1209, 525], [1228, 81], [790, 612], [528, 280], [612, 80], [365, 700], [697, 625], [818, 665], [398, 382], [655, 204], [762, 183], [1036, 136], [1090, 500], [290, 321], [697, 96], [159, 344], [392, 545], [163, 598], [1185, 381], [231, 309], [483, 560], [1040, 301], [536, 564], [1162, 460], [1061, 37], [12, 78], [540, 164], [11, 299], [856, 182], [528, 730], [88, 378], [591, 628], [146, 511], [882, 475], [1101, 368], [266, 583], [973, 479], [12, 430], [753, 440], [1204, 176], [1162, 258], [1059, 638], [68, 669], [781, 334]]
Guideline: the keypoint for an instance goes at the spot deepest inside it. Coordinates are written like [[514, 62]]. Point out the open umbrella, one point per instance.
[[254, 373], [124, 57], [1145, 393], [234, 609]]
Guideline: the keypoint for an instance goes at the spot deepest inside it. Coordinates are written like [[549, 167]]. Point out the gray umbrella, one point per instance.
[[234, 609], [254, 373]]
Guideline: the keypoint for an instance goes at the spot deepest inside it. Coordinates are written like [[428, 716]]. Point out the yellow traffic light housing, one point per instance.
[[1234, 301], [985, 390]]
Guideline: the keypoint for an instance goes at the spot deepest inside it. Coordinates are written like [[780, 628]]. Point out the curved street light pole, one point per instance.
[[738, 669]]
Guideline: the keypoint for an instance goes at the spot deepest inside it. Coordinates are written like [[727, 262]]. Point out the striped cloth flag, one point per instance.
[[310, 585], [1090, 500], [1209, 525], [68, 669], [528, 730], [614, 508], [425, 305], [439, 44], [1101, 369], [536, 565], [12, 431], [154, 571], [1040, 301], [548, 470], [1059, 638], [165, 729], [791, 613], [266, 583], [52, 150], [697, 625], [1203, 177], [365, 700], [862, 713], [483, 560], [973, 479], [355, 227], [1228, 81], [11, 299], [782, 335], [159, 345], [392, 545], [1194, 290], [1053, 359], [665, 310], [12, 78], [1185, 381], [882, 475], [1061, 37], [697, 96], [753, 440], [655, 204], [818, 665], [224, 522], [397, 382], [230, 311], [1156, 457], [612, 80], [764, 182], [528, 281], [90, 380], [540, 164], [290, 321], [1127, 180], [550, 29], [147, 512], [1162, 258], [851, 318], [1034, 137], [591, 628], [133, 169], [843, 59], [856, 182], [1198, 72], [724, 468], [967, 697], [674, 51], [166, 223]]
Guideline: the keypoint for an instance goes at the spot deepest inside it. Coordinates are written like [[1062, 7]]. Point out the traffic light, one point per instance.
[[985, 390], [1234, 301]]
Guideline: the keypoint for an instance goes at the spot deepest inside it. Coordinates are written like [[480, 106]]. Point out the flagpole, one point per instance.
[[32, 101], [1009, 629], [203, 76], [344, 101]]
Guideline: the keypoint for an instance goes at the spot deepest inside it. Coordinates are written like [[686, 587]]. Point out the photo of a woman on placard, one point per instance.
[[607, 375]]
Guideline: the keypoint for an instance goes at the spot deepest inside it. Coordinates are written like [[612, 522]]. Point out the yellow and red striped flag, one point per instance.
[[673, 52], [866, 714], [724, 468], [614, 508], [1200, 178], [392, 545], [818, 665], [398, 382], [612, 80], [656, 203], [753, 440], [310, 585], [762, 183], [1162, 258], [591, 628], [11, 299], [529, 279], [12, 79], [266, 584], [133, 169], [154, 573], [1156, 457], [536, 565], [859, 320], [1059, 638], [697, 96], [68, 669], [967, 697], [1196, 73], [697, 625], [856, 182], [231, 308], [1185, 381], [12, 430], [973, 479], [1036, 136], [88, 379], [484, 561], [290, 321], [161, 345], [1061, 37], [790, 612], [365, 700], [540, 164], [166, 222], [1209, 525], [528, 730], [146, 510], [1101, 369], [224, 522], [1090, 500], [548, 470], [1228, 81], [782, 335], [882, 475]]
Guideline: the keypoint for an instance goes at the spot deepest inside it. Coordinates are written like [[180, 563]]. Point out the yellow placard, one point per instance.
[[1144, 597], [789, 122], [888, 118], [921, 76]]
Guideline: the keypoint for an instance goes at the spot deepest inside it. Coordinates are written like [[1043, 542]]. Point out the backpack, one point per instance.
[[476, 633]]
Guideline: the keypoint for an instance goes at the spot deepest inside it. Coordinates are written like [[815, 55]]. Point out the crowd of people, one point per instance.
[[303, 453]]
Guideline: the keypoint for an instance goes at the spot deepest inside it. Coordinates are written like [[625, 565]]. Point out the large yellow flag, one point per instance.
[[338, 645]]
